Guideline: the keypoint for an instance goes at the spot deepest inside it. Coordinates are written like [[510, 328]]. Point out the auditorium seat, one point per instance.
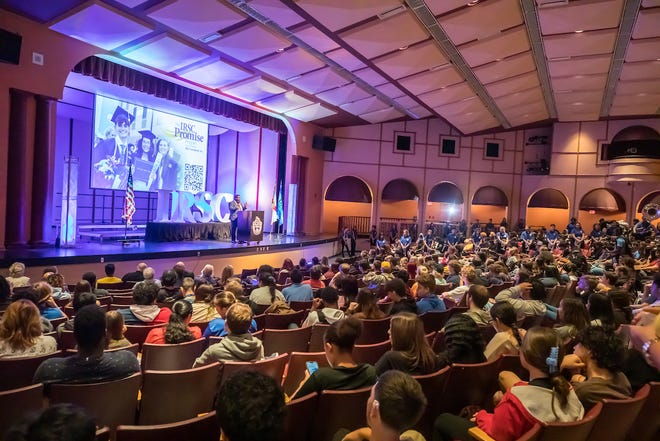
[[339, 409], [374, 331], [112, 403], [439, 342], [647, 424], [531, 435], [203, 428], [430, 337], [58, 321], [138, 333], [316, 339], [171, 396], [115, 286], [435, 320], [433, 386], [131, 348], [371, 353], [171, 357], [299, 417], [487, 332], [386, 307], [122, 300], [283, 321], [260, 319], [286, 340], [617, 417], [272, 367], [16, 403], [103, 434], [295, 371], [469, 384], [300, 306], [201, 325], [512, 363], [573, 431], [19, 372]]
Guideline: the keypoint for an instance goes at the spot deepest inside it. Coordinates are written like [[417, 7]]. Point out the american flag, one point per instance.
[[129, 208]]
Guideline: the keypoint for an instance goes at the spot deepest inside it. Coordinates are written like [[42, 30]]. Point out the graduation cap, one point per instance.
[[148, 134], [121, 113]]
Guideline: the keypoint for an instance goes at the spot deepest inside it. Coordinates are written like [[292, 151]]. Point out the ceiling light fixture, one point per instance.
[[280, 50], [403, 48], [578, 104], [579, 31], [211, 37], [473, 2]]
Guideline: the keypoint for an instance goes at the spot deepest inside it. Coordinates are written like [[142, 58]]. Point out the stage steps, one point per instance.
[[110, 233]]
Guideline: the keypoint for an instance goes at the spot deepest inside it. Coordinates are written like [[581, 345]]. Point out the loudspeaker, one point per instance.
[[10, 47], [324, 143]]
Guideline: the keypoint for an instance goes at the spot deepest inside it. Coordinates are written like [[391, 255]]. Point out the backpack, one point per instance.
[[279, 307]]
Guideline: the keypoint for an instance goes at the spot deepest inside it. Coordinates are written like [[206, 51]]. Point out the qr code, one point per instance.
[[193, 178]]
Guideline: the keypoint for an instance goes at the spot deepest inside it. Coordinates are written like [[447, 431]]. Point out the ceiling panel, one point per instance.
[[426, 81], [585, 15], [447, 95], [482, 20], [289, 63], [196, 18], [579, 82], [101, 26], [647, 24], [382, 115], [345, 59], [528, 118], [131, 3], [254, 89], [370, 76], [503, 45], [635, 87], [333, 14], [365, 105], [536, 107], [165, 53], [420, 111], [422, 56], [382, 36], [512, 85], [276, 11], [586, 43], [319, 80], [579, 66], [406, 101], [343, 94], [641, 99], [642, 50], [641, 70], [316, 39], [506, 68], [216, 74], [311, 113], [520, 98], [285, 102], [390, 90], [650, 3], [250, 42], [438, 7], [460, 108], [592, 97]]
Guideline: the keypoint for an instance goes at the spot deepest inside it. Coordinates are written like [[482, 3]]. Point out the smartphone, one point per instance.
[[312, 367]]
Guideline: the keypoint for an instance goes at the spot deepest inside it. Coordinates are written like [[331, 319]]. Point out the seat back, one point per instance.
[[618, 416], [300, 306], [299, 417], [433, 386], [16, 403], [120, 409], [103, 434], [171, 357], [374, 331], [296, 368], [512, 363], [204, 428], [18, 372], [194, 390], [58, 321], [386, 307], [470, 384], [647, 424], [316, 339], [573, 431], [272, 367], [339, 409], [487, 332], [67, 340], [130, 348], [201, 325], [435, 320], [138, 333], [439, 344], [370, 353], [286, 340], [283, 321]]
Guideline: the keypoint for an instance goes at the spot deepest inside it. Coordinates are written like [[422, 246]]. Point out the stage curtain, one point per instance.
[[299, 177], [110, 72]]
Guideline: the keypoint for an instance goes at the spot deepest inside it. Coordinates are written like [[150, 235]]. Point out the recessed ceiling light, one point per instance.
[[280, 50], [498, 59], [403, 48], [642, 94], [473, 2], [578, 104], [579, 31], [210, 37]]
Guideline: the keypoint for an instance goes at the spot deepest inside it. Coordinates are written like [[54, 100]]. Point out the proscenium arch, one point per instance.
[[490, 195], [446, 192], [348, 189], [399, 190], [602, 199]]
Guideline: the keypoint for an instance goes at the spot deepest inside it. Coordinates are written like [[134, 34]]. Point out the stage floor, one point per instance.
[[87, 252]]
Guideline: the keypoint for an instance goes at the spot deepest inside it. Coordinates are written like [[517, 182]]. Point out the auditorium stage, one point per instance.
[[88, 256]]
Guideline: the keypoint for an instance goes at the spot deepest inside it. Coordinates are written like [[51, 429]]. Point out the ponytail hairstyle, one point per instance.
[[268, 280], [504, 311], [543, 349], [177, 329]]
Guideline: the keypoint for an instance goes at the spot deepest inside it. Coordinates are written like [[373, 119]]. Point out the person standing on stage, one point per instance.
[[234, 207]]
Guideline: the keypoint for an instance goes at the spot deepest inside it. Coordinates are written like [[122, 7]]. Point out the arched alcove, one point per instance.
[[489, 202], [651, 198], [547, 206], [345, 196], [600, 203], [445, 203], [399, 200]]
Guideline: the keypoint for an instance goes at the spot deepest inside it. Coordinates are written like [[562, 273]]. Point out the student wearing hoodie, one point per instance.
[[325, 308], [144, 312], [526, 298], [428, 300], [239, 345]]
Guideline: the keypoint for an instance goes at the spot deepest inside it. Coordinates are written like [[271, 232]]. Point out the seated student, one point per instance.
[[266, 293], [216, 327], [188, 288], [596, 364], [325, 308], [508, 338], [397, 293], [463, 341], [170, 290], [144, 312], [56, 281], [90, 364], [47, 306], [344, 373], [297, 292], [60, 421], [115, 329], [315, 278], [411, 351], [573, 318], [137, 275], [203, 310], [20, 332], [80, 299], [250, 407], [239, 344], [526, 298], [90, 277], [428, 300], [109, 275], [365, 306], [546, 398], [396, 403], [177, 329], [600, 310], [17, 277], [478, 299]]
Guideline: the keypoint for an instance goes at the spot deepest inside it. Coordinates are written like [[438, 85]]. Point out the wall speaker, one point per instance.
[[324, 143], [10, 47]]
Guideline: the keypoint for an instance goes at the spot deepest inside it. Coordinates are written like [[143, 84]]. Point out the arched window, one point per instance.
[[348, 189]]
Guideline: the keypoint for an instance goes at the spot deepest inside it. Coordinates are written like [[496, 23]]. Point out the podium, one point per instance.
[[250, 226]]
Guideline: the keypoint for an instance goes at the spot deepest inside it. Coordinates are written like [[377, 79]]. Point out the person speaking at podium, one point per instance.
[[234, 207]]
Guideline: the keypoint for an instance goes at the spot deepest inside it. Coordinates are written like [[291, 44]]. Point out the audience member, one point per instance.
[[80, 299], [428, 300], [47, 306], [315, 275], [144, 311], [526, 298], [137, 275], [90, 277], [398, 295], [573, 318], [508, 338], [20, 332], [463, 342], [109, 275], [365, 307], [266, 293], [325, 308], [203, 310], [216, 327], [177, 329], [600, 310], [64, 422], [60, 291], [170, 288], [297, 291], [17, 277], [115, 330], [477, 300]]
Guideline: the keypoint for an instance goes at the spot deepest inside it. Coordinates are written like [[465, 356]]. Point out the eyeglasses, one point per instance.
[[123, 124]]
